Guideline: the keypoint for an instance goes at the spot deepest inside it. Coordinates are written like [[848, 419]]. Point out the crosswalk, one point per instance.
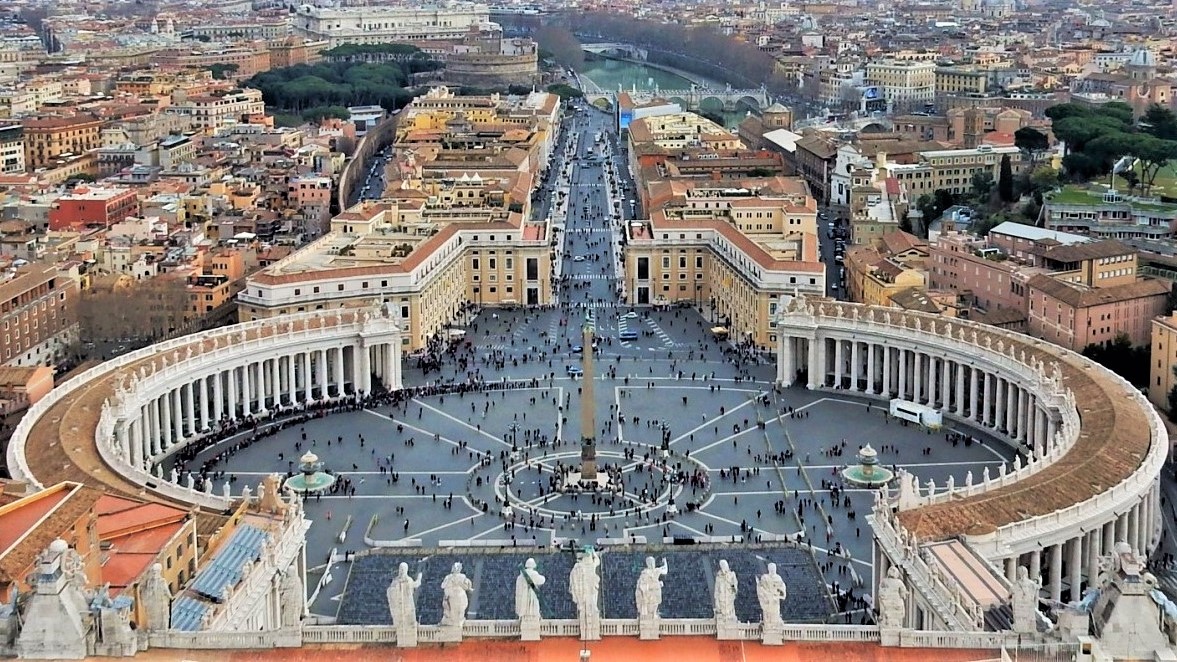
[[590, 277]]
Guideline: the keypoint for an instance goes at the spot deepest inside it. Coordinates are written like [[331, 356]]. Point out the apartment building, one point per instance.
[[1162, 360], [250, 59], [12, 149], [951, 169], [905, 83], [1099, 211], [48, 138], [731, 250], [92, 206], [385, 24], [209, 111], [960, 80], [38, 314], [1075, 316]]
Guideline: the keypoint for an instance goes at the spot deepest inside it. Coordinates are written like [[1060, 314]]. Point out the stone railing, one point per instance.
[[205, 640], [960, 610]]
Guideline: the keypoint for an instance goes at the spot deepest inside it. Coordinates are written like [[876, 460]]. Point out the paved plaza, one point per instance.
[[700, 442]]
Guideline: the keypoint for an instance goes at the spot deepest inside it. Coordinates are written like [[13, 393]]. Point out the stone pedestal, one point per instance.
[[590, 629], [529, 629], [406, 636], [449, 633], [727, 630], [889, 636], [648, 628], [772, 634]]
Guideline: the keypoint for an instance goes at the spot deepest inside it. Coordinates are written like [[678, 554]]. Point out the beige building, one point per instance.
[[385, 24], [951, 169], [905, 84], [732, 250], [1163, 359]]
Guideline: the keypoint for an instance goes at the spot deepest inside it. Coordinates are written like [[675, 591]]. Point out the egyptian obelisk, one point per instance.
[[588, 422]]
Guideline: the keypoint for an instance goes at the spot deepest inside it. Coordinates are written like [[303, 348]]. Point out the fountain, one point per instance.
[[867, 473], [311, 478]]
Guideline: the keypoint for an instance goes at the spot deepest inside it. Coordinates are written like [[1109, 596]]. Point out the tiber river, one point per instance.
[[608, 74]]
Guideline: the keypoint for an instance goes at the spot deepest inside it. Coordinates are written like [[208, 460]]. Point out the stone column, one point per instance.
[[153, 431], [340, 378], [1023, 414], [1011, 409], [1056, 572], [189, 395], [855, 365], [933, 380], [169, 430], [204, 413], [247, 389], [391, 367], [218, 402], [1000, 402], [838, 365], [1133, 537], [178, 412], [291, 379], [307, 383], [321, 369], [232, 386], [946, 384], [1036, 564], [1094, 542], [974, 392], [363, 373], [871, 374], [1075, 567], [1109, 537], [917, 376], [986, 417], [958, 407], [902, 373], [1121, 529], [887, 358]]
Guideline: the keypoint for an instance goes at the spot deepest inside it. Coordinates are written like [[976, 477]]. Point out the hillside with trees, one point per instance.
[[1097, 137]]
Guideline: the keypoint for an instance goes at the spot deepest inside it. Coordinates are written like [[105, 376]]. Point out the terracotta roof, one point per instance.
[[1091, 250], [1113, 441], [900, 241], [54, 525], [1078, 296]]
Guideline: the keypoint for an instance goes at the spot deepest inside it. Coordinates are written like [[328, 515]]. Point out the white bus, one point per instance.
[[924, 415]]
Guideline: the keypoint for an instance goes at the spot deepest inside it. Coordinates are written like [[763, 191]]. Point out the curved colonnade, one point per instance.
[[1094, 445], [115, 423]]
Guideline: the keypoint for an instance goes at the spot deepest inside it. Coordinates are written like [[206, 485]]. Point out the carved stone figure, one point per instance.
[[455, 588], [157, 599], [401, 593], [584, 584], [648, 593], [770, 591], [527, 591], [892, 600], [724, 595], [174, 476], [293, 598], [1024, 602]]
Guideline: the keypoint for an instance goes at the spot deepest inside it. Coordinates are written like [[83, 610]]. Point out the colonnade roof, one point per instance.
[[61, 444], [1114, 439]]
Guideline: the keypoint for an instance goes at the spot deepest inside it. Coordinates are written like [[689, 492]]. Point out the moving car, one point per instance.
[[628, 335]]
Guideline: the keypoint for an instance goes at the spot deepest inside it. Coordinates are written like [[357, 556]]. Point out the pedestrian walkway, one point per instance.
[[591, 277]]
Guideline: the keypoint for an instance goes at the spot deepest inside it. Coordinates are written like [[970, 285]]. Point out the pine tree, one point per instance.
[[1005, 182]]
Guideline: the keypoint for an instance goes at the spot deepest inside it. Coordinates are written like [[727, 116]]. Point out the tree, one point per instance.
[[562, 44], [1122, 358], [982, 185], [1153, 154], [565, 91], [1033, 143], [1160, 122], [1005, 181]]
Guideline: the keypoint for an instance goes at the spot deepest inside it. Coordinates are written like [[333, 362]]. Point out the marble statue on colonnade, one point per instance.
[[455, 588], [892, 600], [770, 592], [724, 598], [402, 603], [584, 584], [1024, 602], [648, 597], [527, 600]]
